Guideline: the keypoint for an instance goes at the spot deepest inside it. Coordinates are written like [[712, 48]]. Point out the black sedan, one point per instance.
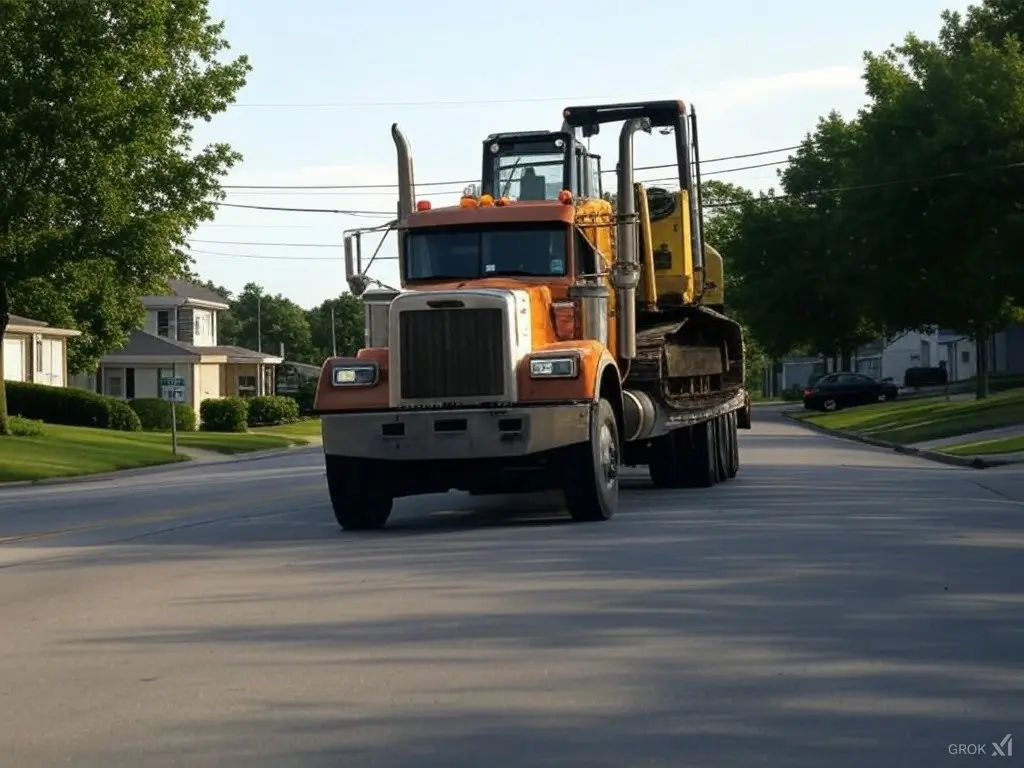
[[842, 390]]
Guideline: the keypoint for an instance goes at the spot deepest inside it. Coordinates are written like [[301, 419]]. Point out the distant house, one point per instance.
[[36, 352], [939, 348], [179, 339]]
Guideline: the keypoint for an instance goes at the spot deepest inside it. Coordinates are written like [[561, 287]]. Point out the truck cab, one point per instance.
[[539, 165]]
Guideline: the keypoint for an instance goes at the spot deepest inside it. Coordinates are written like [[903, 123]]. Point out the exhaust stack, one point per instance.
[[625, 273], [406, 179]]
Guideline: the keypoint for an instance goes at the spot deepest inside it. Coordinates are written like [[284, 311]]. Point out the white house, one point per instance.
[[34, 351], [179, 339]]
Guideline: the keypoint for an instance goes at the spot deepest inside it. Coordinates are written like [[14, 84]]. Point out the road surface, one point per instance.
[[834, 605]]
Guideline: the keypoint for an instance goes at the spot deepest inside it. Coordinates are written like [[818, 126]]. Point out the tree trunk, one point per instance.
[[5, 319], [981, 364]]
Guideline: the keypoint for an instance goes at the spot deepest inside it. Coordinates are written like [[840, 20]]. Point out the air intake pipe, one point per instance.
[[625, 273]]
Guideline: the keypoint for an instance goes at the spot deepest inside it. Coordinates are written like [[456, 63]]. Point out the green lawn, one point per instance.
[[300, 430], [986, 447], [222, 442], [914, 421], [69, 451]]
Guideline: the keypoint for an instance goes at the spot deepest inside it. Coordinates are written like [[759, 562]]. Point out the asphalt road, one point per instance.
[[834, 605]]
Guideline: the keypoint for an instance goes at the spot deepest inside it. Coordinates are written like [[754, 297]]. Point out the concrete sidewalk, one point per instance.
[[1016, 430]]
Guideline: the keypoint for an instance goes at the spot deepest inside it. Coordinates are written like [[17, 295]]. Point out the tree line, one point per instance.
[[260, 320], [906, 216]]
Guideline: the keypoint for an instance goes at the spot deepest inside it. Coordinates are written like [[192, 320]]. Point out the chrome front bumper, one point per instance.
[[455, 434]]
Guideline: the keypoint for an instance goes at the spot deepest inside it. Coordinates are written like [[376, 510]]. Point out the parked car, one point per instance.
[[843, 390]]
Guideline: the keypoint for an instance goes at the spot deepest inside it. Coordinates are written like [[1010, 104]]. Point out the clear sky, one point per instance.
[[330, 77]]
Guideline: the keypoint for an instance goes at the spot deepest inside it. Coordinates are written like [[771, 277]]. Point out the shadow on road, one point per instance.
[[838, 609]]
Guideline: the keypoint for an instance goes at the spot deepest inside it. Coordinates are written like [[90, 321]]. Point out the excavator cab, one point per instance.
[[538, 165]]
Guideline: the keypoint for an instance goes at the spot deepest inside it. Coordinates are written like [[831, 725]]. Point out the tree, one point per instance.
[[265, 322], [99, 181], [946, 125], [349, 327]]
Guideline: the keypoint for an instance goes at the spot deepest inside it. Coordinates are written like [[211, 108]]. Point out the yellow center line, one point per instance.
[[155, 517]]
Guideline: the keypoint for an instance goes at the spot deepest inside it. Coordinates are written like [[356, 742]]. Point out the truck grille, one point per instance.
[[449, 353]]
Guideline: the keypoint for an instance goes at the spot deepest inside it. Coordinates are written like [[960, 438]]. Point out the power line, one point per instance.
[[463, 182], [266, 257], [382, 214], [300, 191], [393, 104], [769, 199]]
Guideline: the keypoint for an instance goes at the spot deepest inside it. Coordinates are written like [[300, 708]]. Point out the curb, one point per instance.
[[970, 462], [155, 469]]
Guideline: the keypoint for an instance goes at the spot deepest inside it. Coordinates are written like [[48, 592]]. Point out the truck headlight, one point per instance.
[[354, 375], [554, 367]]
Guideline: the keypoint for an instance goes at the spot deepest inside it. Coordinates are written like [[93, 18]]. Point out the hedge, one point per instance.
[[70, 407], [224, 414], [155, 414], [924, 377], [266, 410]]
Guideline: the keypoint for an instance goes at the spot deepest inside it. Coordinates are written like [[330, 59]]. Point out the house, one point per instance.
[[891, 358], [1005, 353], [179, 340], [913, 349], [36, 352]]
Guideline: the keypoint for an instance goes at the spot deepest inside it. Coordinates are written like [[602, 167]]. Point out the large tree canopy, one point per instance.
[[908, 216], [99, 179]]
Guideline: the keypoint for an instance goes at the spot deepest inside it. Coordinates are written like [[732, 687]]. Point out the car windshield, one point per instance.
[[534, 249], [532, 176]]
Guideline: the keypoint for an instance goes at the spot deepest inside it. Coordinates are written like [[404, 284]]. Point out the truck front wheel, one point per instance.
[[591, 483], [359, 502]]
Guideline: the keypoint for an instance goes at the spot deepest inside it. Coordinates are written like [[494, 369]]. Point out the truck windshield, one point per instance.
[[533, 249], [533, 176]]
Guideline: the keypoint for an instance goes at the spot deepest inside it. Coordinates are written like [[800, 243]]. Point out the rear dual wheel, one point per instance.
[[696, 457]]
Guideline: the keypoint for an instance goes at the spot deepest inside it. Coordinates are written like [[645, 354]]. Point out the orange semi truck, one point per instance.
[[543, 337]]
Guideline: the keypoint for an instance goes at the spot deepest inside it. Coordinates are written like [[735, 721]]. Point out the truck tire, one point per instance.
[[359, 502], [591, 484], [734, 444], [704, 472], [723, 449], [670, 462]]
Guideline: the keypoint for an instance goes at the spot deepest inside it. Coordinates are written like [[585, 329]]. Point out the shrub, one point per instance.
[[70, 407], [306, 395], [272, 409], [155, 414], [25, 427], [793, 393], [224, 414], [924, 377]]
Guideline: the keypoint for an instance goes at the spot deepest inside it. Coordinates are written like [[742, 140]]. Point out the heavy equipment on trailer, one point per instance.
[[543, 338]]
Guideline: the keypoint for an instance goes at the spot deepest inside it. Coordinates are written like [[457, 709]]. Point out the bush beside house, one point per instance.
[[237, 414], [70, 407], [270, 410], [155, 414], [224, 414]]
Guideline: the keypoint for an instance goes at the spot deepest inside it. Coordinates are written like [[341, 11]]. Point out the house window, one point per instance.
[[965, 356], [39, 356], [163, 323], [199, 326], [129, 383], [115, 383], [247, 386]]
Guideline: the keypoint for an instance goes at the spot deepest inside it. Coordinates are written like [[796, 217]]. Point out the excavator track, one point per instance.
[[693, 332]]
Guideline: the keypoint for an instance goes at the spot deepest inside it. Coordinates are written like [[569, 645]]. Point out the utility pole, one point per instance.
[[259, 323], [334, 338]]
